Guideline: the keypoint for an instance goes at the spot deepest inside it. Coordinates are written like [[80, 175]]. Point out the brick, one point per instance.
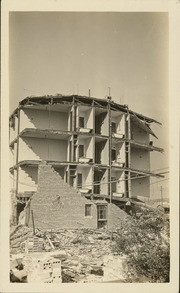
[[67, 211]]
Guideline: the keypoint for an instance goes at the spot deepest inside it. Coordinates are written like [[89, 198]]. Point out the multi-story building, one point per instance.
[[86, 155]]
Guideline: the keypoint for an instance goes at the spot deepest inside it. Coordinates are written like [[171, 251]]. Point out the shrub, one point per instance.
[[146, 244]]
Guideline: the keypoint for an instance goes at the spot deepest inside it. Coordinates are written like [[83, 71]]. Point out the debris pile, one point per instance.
[[85, 255], [35, 268], [18, 235], [80, 252]]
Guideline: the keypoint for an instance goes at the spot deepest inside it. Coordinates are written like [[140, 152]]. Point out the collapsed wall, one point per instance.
[[56, 205]]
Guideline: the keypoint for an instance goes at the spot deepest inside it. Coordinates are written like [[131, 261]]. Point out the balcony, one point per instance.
[[117, 135], [118, 194], [84, 160], [45, 133], [118, 164], [84, 130], [148, 146]]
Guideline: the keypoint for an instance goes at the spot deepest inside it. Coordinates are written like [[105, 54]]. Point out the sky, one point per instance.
[[72, 52]]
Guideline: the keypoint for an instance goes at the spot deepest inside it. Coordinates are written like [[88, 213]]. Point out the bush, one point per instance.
[[146, 244]]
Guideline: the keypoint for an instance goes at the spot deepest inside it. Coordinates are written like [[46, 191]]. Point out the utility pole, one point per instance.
[[161, 190], [34, 230], [109, 91]]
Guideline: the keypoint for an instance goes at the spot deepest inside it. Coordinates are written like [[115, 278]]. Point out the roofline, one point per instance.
[[50, 98]]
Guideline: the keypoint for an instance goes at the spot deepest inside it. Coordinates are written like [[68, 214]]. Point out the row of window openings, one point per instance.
[[101, 211], [113, 153], [97, 187], [113, 126], [82, 153], [82, 124]]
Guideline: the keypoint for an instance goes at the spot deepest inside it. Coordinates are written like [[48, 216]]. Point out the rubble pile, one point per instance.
[[35, 268], [18, 235], [86, 255], [84, 251], [81, 252]]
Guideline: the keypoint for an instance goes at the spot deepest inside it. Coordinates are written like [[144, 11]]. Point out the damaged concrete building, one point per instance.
[[76, 161]]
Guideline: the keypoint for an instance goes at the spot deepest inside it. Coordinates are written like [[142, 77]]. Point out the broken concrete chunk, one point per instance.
[[60, 254], [19, 274]]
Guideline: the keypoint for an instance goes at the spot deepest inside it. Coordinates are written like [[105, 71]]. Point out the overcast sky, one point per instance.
[[71, 52]]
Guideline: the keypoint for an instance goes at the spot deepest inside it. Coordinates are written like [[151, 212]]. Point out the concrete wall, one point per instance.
[[89, 118], [68, 149], [140, 187], [43, 119], [87, 178], [119, 175], [121, 128], [105, 154], [13, 130], [13, 178], [101, 121], [104, 185], [121, 154], [88, 146], [101, 151], [121, 183], [119, 120], [12, 134], [120, 151], [105, 126], [54, 202], [12, 158], [15, 153], [87, 113], [127, 126], [39, 149], [69, 120], [140, 159], [138, 134]]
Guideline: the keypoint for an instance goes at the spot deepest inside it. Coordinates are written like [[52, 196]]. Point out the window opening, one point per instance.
[[113, 127], [72, 179], [102, 212], [74, 153], [71, 119], [113, 184], [81, 122], [79, 183], [101, 216], [113, 154], [75, 115], [81, 150], [66, 177], [87, 210], [70, 151]]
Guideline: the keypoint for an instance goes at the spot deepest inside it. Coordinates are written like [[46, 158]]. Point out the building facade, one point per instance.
[[92, 153]]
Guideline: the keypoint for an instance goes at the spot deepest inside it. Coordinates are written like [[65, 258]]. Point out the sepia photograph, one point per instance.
[[89, 147]]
